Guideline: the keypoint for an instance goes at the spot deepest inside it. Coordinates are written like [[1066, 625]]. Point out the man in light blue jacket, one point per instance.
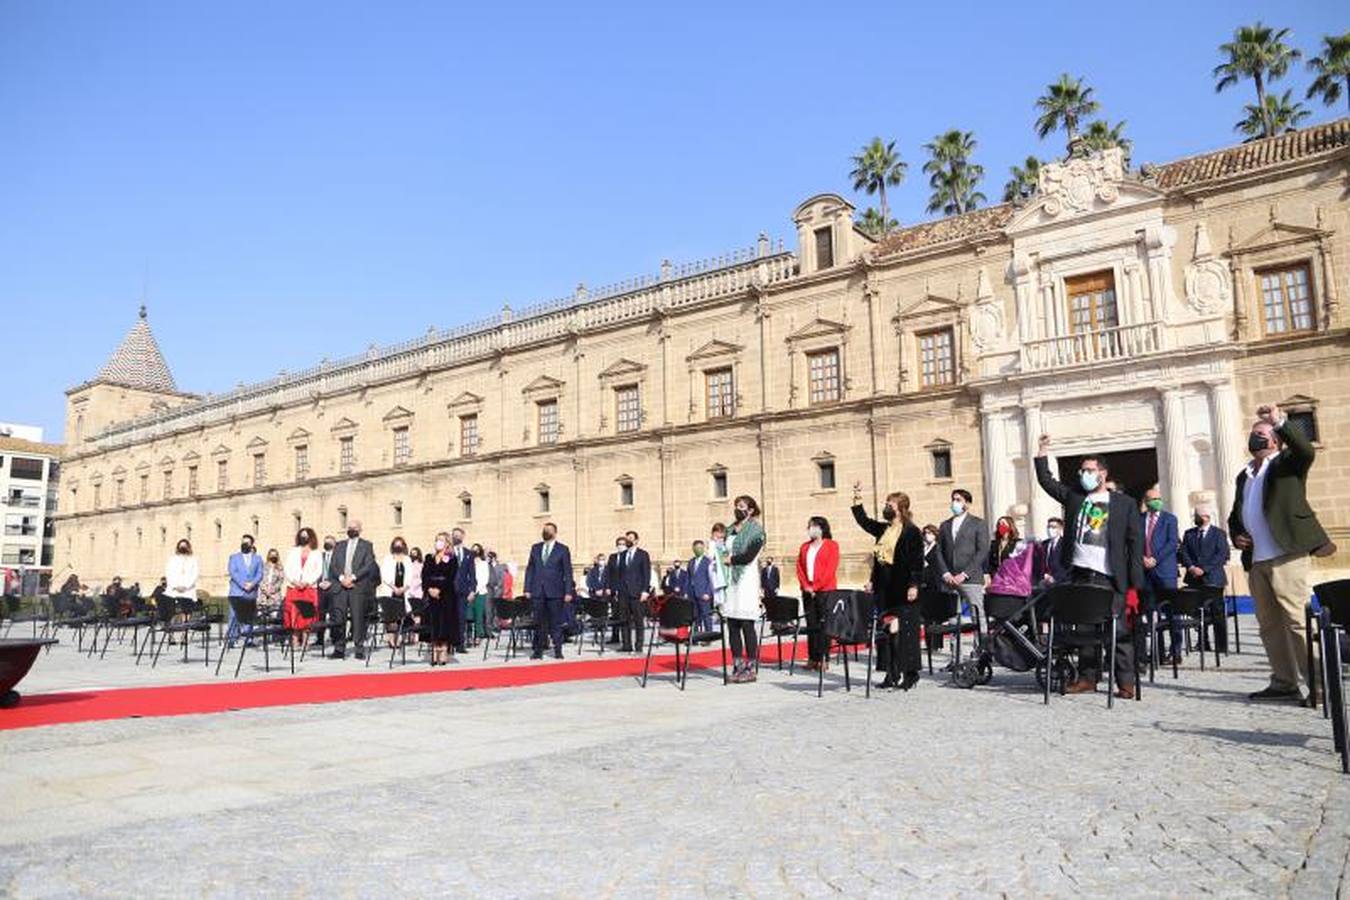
[[246, 570]]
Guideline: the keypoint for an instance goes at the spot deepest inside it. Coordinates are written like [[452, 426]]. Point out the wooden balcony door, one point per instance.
[[1092, 311]]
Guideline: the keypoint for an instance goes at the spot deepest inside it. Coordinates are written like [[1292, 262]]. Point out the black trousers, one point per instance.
[[548, 622], [744, 643], [817, 642], [1090, 658], [344, 602], [899, 653], [634, 624]]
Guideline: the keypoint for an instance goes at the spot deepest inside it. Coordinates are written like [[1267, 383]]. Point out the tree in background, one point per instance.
[[878, 167], [1260, 53], [951, 174], [1332, 66]]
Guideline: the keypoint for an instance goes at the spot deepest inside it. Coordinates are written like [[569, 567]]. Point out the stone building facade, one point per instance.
[[1142, 313]]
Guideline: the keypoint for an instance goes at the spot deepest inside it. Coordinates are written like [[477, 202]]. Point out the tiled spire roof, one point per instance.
[[137, 362]]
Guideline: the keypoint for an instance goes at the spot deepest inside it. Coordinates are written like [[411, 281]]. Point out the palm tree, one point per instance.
[[1257, 52], [1063, 105], [1280, 114], [951, 174], [1023, 181], [1332, 66], [872, 224], [878, 166], [1102, 135]]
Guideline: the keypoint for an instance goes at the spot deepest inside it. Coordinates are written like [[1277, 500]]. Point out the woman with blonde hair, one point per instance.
[[438, 586], [897, 568]]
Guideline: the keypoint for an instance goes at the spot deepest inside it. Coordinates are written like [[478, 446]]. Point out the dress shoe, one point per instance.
[[625, 649], [1082, 686], [557, 654], [1276, 695], [536, 656], [337, 654], [1125, 692], [910, 679], [885, 684], [360, 654]]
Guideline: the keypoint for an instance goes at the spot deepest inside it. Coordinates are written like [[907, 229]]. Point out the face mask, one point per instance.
[[1198, 521], [353, 533], [813, 532], [740, 514], [1053, 531], [1089, 480], [399, 549], [440, 545], [1155, 505], [328, 545], [930, 538], [1003, 529], [456, 539], [1256, 442], [274, 559], [698, 551], [548, 535], [245, 547], [957, 507], [888, 513], [183, 551]]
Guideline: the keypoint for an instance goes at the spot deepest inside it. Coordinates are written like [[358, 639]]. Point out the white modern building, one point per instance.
[[29, 474]]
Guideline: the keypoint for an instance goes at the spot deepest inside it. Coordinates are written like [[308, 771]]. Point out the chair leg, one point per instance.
[[220, 660], [243, 648], [1111, 668], [871, 647], [848, 682], [820, 672], [1049, 658], [1152, 644], [1308, 626], [647, 665], [725, 679]]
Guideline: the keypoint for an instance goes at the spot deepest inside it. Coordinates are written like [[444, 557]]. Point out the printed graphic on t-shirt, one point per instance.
[[1092, 521]]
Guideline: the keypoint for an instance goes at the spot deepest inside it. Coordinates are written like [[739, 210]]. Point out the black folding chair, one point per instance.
[[252, 628], [308, 609], [39, 614], [1192, 607], [395, 620], [675, 626], [1332, 638], [595, 615], [195, 621], [783, 617], [1333, 600], [513, 617], [941, 615], [850, 620], [1082, 615]]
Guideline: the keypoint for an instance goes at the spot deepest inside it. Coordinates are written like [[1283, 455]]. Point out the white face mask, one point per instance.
[[814, 532], [440, 545], [1053, 532]]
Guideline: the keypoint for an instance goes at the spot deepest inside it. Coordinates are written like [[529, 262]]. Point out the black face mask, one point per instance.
[[888, 513], [399, 549], [353, 533], [1198, 521], [1256, 442], [548, 535], [328, 546], [245, 547], [183, 551], [740, 514]]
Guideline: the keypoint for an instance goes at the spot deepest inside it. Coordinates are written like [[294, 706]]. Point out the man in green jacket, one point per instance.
[[1276, 530]]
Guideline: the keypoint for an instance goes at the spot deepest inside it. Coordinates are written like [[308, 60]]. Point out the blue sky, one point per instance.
[[300, 179]]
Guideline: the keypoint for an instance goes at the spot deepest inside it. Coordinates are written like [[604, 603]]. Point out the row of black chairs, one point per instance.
[[1327, 626]]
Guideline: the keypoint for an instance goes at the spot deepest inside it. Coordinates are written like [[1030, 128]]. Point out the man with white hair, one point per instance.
[[1203, 555], [355, 573]]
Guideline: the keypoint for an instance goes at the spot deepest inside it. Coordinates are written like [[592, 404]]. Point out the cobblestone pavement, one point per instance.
[[601, 789]]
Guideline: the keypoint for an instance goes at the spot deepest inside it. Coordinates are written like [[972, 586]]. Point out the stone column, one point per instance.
[[1228, 445], [1174, 484], [665, 376], [579, 415], [998, 489], [1040, 507], [1331, 304], [871, 295]]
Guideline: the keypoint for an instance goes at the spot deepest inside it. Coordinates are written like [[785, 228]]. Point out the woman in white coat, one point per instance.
[[401, 579], [180, 577], [740, 608], [304, 570]]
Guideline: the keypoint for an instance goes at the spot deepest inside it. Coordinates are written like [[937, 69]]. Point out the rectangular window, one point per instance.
[[20, 526], [823, 370], [168, 484], [824, 247], [721, 396], [192, 481], [398, 514], [222, 476], [27, 497], [937, 358], [1286, 299], [25, 468], [719, 485], [402, 449], [119, 492], [547, 416], [825, 474], [942, 464], [98, 496], [627, 408], [145, 488], [543, 500], [1306, 422], [1092, 302], [346, 455], [468, 434], [625, 493], [302, 462], [259, 469], [465, 508]]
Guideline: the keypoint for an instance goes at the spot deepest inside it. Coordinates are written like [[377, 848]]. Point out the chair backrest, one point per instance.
[[677, 612], [1334, 597], [848, 615], [305, 609], [419, 605], [12, 604], [60, 605], [509, 610], [938, 606], [781, 608], [112, 607], [1003, 606], [595, 607], [1189, 600], [245, 610], [1081, 604], [392, 610]]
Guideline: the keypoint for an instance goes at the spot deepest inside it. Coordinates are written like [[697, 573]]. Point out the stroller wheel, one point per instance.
[[966, 675], [1063, 673]]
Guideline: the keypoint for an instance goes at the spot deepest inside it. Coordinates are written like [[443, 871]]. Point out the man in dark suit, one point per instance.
[[701, 587], [1048, 566], [354, 573], [630, 578], [548, 587], [325, 587], [1276, 530], [1161, 542], [962, 552], [595, 578], [1101, 546], [770, 578], [675, 583], [1204, 553], [466, 585]]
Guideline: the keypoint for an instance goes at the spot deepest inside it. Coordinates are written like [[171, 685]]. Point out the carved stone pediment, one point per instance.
[[714, 349], [621, 368], [466, 401], [544, 384], [398, 414], [817, 328], [1081, 186]]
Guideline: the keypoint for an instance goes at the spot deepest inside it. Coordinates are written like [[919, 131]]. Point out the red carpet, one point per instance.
[[225, 695]]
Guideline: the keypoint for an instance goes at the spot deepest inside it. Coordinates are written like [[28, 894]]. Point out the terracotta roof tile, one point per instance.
[[36, 448], [1254, 156], [967, 225], [137, 362]]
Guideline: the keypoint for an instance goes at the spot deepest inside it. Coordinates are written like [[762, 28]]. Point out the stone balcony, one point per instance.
[[1091, 347]]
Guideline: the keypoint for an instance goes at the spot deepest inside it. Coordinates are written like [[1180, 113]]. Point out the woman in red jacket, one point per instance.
[[817, 566]]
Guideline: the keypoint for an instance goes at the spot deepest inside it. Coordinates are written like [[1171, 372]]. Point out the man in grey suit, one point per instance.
[[963, 553], [354, 573]]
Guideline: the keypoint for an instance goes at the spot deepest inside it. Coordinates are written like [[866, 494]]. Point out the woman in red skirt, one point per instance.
[[304, 569]]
